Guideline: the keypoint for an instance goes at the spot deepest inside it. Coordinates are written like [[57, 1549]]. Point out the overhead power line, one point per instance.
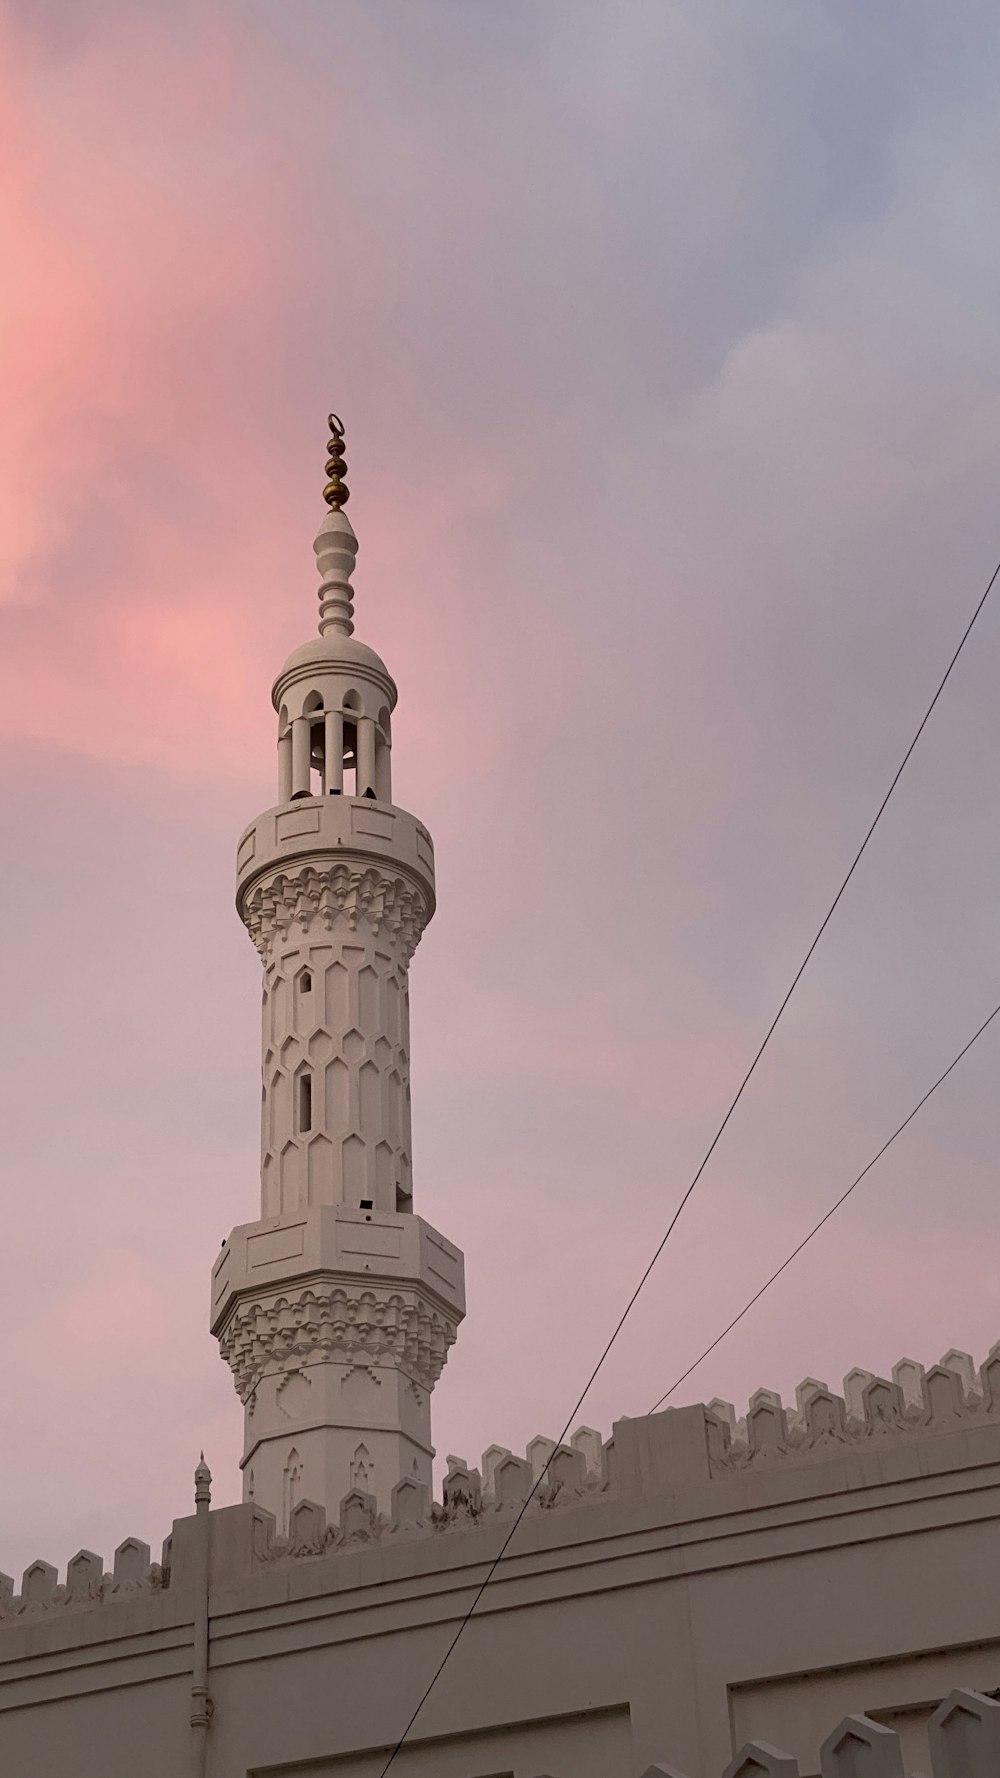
[[825, 1219], [797, 977]]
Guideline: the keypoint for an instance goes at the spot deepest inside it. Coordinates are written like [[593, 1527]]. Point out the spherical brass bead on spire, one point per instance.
[[336, 493]]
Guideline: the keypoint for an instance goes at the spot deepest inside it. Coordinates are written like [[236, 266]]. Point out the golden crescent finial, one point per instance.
[[336, 493]]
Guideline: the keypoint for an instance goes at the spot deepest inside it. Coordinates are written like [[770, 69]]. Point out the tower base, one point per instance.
[[319, 1432], [336, 1324]]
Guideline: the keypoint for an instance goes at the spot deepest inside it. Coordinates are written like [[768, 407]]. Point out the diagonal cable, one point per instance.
[[813, 1232], [797, 977]]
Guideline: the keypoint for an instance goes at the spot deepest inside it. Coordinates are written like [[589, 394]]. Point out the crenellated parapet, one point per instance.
[[575, 1474], [87, 1582], [492, 1494], [963, 1740], [687, 1463], [963, 1736], [953, 1395]]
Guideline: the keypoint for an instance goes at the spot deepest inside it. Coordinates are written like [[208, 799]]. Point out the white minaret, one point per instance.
[[336, 1310]]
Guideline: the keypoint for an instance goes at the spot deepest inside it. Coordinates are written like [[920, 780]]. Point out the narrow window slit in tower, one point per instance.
[[305, 1104], [306, 982]]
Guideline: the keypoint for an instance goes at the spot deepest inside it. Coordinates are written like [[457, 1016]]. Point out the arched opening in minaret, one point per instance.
[[312, 710], [305, 1016], [350, 758], [352, 710], [317, 759], [284, 756], [383, 779]]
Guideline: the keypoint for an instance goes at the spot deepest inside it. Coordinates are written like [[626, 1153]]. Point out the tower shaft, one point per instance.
[[336, 1309]]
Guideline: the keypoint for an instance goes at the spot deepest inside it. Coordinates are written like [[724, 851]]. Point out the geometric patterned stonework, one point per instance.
[[384, 1325], [336, 1013], [310, 897], [952, 1396]]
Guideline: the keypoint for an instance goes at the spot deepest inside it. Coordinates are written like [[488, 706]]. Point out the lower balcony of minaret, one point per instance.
[[336, 1324]]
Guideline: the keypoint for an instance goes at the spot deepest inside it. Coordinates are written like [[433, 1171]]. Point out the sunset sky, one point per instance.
[[667, 338]]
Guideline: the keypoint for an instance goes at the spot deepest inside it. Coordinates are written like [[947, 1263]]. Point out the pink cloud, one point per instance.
[[631, 477]]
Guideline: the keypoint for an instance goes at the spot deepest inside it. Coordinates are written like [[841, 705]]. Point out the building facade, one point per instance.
[[698, 1581], [692, 1585]]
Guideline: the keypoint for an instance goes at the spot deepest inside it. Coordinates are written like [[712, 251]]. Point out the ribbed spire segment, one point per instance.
[[336, 549]]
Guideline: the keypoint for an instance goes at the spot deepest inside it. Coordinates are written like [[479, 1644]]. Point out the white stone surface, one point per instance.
[[673, 1615]]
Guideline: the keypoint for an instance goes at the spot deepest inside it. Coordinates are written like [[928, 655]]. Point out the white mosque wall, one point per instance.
[[670, 1595]]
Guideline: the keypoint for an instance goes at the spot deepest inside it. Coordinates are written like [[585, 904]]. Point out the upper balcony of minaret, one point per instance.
[[334, 698]]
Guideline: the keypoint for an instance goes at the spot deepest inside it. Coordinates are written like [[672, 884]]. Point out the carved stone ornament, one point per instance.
[[86, 1583], [310, 897], [392, 1327], [951, 1396]]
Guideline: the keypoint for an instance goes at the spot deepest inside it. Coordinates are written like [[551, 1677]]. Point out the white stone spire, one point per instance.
[[336, 550], [337, 1308]]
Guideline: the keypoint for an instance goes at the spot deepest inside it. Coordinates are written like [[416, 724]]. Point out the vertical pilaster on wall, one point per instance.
[[201, 1703]]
